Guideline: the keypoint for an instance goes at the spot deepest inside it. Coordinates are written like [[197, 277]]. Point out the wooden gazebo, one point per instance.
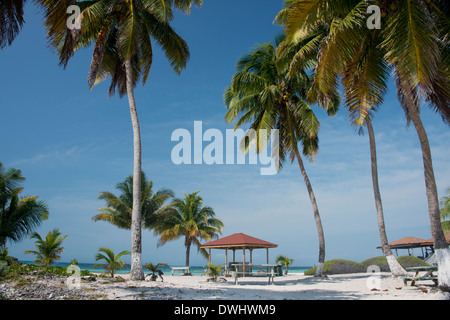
[[238, 241], [410, 243]]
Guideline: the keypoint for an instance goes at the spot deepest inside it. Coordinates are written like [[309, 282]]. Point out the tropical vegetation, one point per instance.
[[284, 261], [445, 212], [213, 271], [327, 44], [412, 44], [112, 263], [122, 33], [118, 210], [262, 94], [191, 220], [155, 270], [19, 216], [363, 94], [48, 249]]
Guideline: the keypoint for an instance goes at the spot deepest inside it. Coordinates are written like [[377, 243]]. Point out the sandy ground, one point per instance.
[[358, 286]]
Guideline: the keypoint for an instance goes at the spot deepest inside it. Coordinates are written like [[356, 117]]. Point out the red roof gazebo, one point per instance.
[[413, 242], [238, 241]]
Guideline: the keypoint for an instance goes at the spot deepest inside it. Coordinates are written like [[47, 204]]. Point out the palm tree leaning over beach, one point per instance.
[[413, 40], [118, 210], [122, 32], [364, 79], [268, 99], [190, 219]]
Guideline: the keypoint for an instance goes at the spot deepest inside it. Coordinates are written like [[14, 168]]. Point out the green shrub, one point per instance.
[[404, 261], [381, 262], [410, 261], [4, 268], [338, 266]]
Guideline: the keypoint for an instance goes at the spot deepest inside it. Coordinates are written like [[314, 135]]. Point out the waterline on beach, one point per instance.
[[195, 270]]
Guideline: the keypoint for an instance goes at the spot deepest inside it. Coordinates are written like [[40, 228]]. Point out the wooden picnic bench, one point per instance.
[[427, 276], [262, 270], [187, 270]]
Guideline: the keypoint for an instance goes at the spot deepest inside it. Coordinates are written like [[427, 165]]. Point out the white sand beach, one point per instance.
[[358, 286]]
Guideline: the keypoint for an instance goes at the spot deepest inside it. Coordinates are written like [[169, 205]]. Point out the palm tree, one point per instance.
[[119, 208], [154, 269], [48, 250], [213, 271], [265, 96], [284, 261], [11, 20], [413, 42], [19, 216], [445, 211], [111, 261], [122, 32], [190, 219], [364, 79]]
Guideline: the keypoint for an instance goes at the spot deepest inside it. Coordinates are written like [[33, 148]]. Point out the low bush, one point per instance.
[[381, 262], [410, 261], [338, 266]]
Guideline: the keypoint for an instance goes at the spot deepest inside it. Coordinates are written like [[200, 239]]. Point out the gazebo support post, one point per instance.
[[251, 258], [226, 260], [243, 267], [209, 256], [267, 251]]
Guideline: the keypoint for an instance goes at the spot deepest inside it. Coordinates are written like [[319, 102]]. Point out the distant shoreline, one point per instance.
[[195, 270]]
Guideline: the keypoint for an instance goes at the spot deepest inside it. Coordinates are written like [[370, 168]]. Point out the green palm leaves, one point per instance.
[[191, 220], [119, 208], [413, 40], [112, 263], [267, 95], [284, 261], [19, 216], [49, 249], [264, 96], [120, 31]]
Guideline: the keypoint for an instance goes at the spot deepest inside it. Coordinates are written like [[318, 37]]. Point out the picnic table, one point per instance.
[[427, 276], [186, 270], [267, 270]]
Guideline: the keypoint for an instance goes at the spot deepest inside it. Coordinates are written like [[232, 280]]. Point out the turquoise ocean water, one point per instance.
[[195, 270]]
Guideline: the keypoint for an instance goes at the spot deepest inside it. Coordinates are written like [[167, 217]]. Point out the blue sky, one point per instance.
[[71, 143]]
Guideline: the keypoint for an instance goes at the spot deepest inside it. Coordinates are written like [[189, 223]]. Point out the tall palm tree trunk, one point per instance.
[[440, 244], [188, 253], [319, 271], [136, 272], [394, 266]]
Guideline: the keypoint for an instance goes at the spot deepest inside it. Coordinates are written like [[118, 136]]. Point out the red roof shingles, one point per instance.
[[239, 239]]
